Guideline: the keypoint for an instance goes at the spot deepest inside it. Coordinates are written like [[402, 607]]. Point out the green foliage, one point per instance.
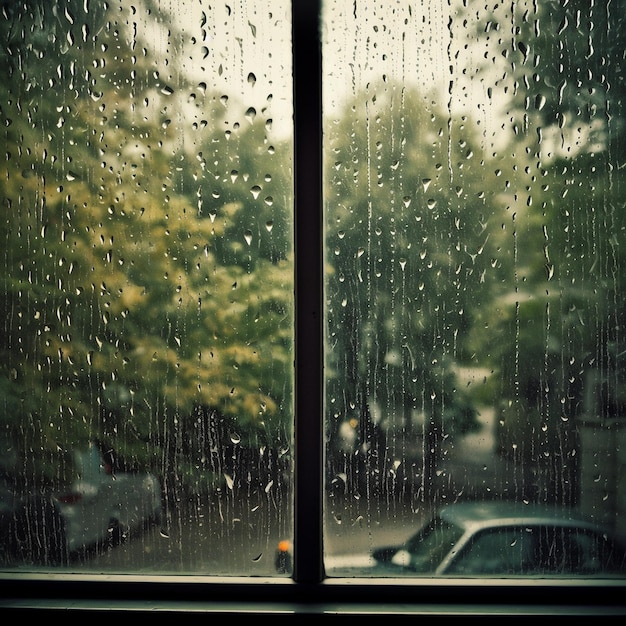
[[147, 262], [147, 267], [569, 59], [557, 322], [408, 250]]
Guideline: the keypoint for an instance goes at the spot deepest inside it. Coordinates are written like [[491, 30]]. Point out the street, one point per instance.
[[237, 533]]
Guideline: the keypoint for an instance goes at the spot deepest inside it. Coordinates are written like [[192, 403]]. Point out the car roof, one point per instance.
[[503, 513]]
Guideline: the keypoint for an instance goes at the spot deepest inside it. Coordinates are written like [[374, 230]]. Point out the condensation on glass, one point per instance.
[[474, 225], [146, 371]]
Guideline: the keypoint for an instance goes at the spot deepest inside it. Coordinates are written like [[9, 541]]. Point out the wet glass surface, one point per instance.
[[147, 286], [474, 228]]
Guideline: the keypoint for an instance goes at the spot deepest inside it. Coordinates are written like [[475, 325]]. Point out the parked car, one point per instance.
[[494, 539], [100, 505]]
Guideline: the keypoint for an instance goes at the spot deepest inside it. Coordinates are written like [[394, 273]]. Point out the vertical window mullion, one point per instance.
[[308, 297]]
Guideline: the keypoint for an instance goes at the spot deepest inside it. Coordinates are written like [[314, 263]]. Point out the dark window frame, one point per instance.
[[307, 592]]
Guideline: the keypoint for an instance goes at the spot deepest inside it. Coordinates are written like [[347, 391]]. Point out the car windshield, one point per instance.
[[428, 548]]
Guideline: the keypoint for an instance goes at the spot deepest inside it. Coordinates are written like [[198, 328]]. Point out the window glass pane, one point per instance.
[[146, 378], [474, 230]]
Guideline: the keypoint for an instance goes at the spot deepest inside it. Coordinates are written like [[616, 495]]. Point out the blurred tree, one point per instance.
[[559, 321], [147, 264], [409, 262]]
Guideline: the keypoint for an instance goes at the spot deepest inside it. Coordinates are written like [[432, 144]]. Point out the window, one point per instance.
[[421, 208]]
